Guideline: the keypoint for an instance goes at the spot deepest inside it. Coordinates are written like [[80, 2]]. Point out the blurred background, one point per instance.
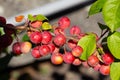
[[25, 67]]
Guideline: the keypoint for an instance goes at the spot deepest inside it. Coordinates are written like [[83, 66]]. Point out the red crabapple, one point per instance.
[[35, 37], [93, 60], [35, 52], [46, 37], [44, 50], [59, 40], [68, 57], [64, 22], [71, 43], [107, 58], [81, 35], [57, 58], [77, 62], [26, 47], [77, 51], [58, 30], [105, 69], [51, 46], [16, 48], [97, 67], [75, 30]]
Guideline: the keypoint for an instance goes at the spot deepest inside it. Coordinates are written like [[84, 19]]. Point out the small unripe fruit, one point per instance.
[[77, 51], [36, 37], [25, 47], [107, 58], [93, 60], [57, 58], [105, 69], [64, 22]]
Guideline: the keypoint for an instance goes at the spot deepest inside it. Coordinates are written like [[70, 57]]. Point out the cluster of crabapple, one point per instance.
[[55, 41], [46, 42], [5, 35]]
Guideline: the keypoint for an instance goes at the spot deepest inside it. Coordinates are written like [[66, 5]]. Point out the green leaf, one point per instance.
[[111, 14], [113, 42], [115, 71], [102, 26], [41, 17], [46, 26], [88, 43], [31, 17], [2, 31], [96, 7], [25, 38]]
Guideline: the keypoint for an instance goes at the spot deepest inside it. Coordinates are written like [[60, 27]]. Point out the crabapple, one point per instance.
[[44, 50], [25, 47], [77, 62], [58, 30], [105, 69], [46, 37], [107, 58], [35, 37], [68, 57], [64, 22], [16, 48], [57, 58], [51, 46], [71, 43], [59, 40], [77, 51], [35, 52], [93, 60], [75, 30]]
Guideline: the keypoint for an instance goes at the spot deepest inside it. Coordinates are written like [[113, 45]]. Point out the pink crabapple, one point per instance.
[[25, 47], [68, 57], [57, 58], [46, 37], [59, 40], [36, 37], [77, 51], [44, 50], [105, 69], [93, 60], [35, 52], [75, 30], [64, 22]]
